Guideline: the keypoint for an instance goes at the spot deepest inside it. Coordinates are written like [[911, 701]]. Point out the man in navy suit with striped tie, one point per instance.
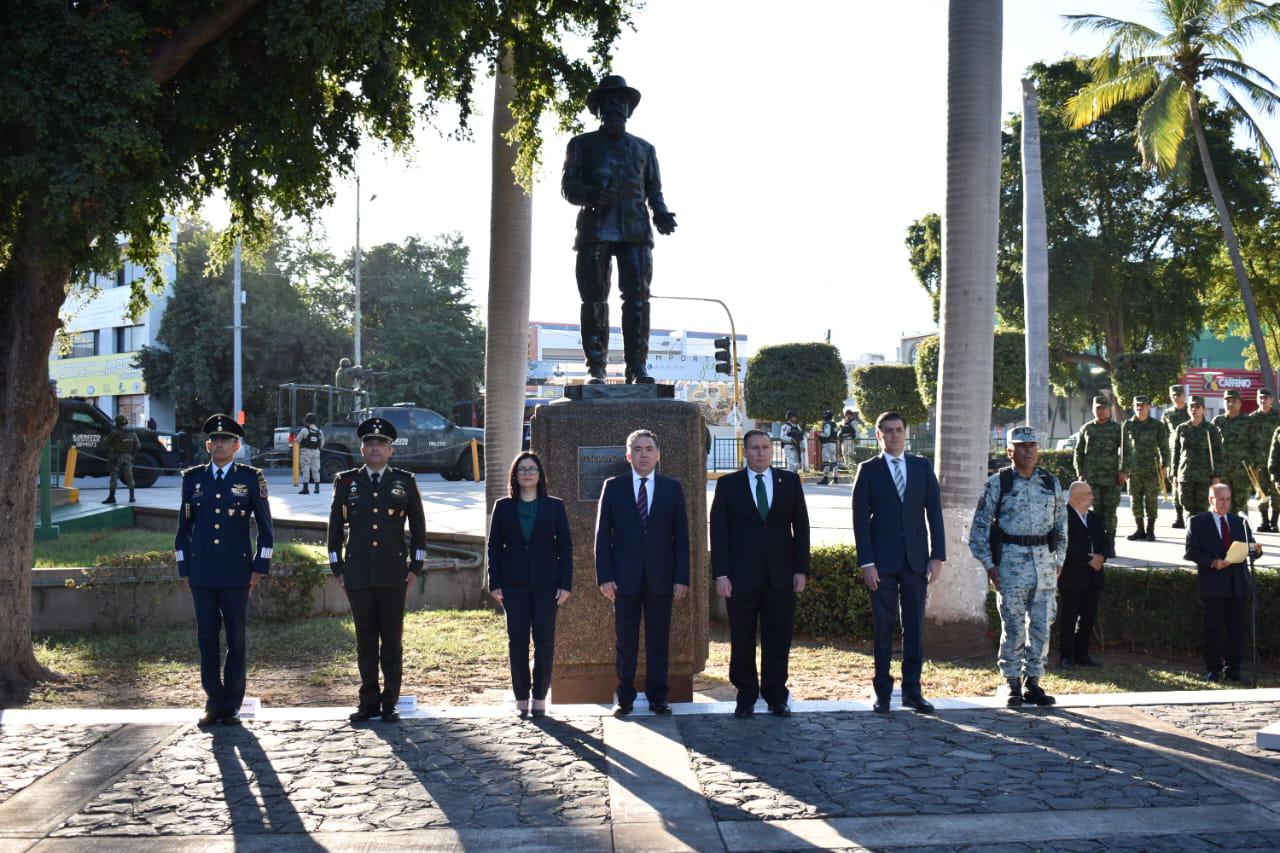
[[642, 566], [894, 495]]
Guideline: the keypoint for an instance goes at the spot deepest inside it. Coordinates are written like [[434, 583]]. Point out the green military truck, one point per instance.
[[84, 426]]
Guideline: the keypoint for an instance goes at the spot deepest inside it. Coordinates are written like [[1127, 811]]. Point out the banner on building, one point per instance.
[[97, 376]]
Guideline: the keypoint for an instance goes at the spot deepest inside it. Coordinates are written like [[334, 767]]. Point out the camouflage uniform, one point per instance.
[[1028, 573], [1196, 451], [1144, 450], [792, 445], [121, 445], [827, 438], [1237, 451], [1097, 462], [1173, 419], [1264, 427]]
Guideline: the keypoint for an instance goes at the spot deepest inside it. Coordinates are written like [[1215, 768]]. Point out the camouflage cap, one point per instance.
[[1142, 401], [1177, 390], [1231, 394], [1197, 400], [1264, 392], [1102, 400], [1021, 435]]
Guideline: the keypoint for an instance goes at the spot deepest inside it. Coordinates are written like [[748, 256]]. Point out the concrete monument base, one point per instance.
[[582, 443]]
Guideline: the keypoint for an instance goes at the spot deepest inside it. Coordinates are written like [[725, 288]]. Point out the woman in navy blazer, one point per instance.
[[530, 575]]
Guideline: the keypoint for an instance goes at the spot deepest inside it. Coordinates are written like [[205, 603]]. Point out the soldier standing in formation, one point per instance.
[[1197, 448], [1174, 418], [848, 436], [792, 441], [367, 555], [1144, 453], [217, 564], [1237, 453], [828, 435], [1097, 462], [310, 439], [1266, 418], [122, 445], [1019, 534]]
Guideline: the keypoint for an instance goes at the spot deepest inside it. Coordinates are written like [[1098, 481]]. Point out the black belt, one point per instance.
[[1029, 541]]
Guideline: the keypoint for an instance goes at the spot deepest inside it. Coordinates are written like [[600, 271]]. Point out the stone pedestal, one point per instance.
[[582, 443]]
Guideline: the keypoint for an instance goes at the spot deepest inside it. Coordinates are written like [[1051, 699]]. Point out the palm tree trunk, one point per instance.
[[1035, 266], [506, 362], [957, 609], [1233, 245]]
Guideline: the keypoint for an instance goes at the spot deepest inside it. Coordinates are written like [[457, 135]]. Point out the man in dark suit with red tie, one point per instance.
[[642, 566], [1080, 581], [760, 559], [1224, 587], [894, 495]]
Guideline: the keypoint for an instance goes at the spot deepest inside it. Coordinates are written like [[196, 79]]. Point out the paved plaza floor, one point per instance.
[[1128, 772]]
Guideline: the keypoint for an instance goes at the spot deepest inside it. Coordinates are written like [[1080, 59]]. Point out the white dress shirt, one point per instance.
[[768, 485], [225, 469], [901, 459], [648, 488]]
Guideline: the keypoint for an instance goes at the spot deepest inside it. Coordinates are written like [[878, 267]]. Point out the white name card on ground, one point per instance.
[[407, 704], [250, 707], [1269, 738]]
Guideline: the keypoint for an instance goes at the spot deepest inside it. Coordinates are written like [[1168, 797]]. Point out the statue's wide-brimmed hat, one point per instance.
[[613, 83]]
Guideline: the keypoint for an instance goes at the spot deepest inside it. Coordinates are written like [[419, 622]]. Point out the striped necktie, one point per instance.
[[642, 501], [899, 480]]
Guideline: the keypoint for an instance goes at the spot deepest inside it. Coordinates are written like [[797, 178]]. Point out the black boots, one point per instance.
[[1015, 693], [595, 339], [132, 499], [306, 486], [1178, 523], [1035, 694], [111, 497], [635, 340], [1139, 534]]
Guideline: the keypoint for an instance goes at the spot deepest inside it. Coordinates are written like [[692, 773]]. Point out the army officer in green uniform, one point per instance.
[[1174, 418], [1097, 462], [1237, 452], [367, 554], [1197, 452]]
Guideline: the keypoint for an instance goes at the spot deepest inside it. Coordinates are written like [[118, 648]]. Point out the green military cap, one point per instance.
[[1231, 394], [1177, 390], [1101, 400], [1197, 400], [1264, 392], [1142, 401]]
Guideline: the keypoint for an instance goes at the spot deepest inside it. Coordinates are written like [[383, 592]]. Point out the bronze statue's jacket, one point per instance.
[[626, 164]]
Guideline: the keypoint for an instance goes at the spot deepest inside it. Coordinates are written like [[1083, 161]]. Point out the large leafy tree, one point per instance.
[[1194, 44], [807, 377], [112, 113]]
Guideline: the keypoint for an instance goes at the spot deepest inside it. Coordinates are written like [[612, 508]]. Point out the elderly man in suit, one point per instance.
[[894, 496], [1224, 586], [760, 559], [1080, 581], [642, 566]]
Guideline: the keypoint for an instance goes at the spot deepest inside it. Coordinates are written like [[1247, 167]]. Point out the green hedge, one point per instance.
[[1154, 609]]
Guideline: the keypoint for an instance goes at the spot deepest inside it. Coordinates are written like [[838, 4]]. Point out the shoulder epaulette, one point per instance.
[[191, 470]]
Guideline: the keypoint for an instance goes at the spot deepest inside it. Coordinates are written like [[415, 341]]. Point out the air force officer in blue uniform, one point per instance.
[[219, 563]]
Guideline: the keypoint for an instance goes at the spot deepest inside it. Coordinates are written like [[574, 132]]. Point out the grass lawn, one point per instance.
[[459, 657], [83, 548]]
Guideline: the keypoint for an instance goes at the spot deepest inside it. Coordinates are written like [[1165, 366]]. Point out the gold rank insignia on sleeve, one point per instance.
[[186, 508]]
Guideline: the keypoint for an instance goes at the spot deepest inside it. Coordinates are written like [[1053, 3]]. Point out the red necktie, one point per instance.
[[1226, 532], [642, 501]]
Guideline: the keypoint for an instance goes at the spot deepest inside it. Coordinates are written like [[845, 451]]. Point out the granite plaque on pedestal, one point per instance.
[[582, 443]]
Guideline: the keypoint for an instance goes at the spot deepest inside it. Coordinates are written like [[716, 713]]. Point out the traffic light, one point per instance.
[[724, 357]]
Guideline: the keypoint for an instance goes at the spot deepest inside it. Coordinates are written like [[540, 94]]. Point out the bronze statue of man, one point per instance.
[[611, 175]]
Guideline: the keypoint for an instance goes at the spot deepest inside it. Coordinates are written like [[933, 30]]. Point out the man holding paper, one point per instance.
[[1218, 542]]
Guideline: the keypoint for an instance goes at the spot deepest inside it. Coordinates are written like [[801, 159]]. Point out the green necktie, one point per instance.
[[762, 497]]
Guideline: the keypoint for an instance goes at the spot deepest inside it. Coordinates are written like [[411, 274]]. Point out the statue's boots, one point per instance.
[[635, 339], [595, 340]]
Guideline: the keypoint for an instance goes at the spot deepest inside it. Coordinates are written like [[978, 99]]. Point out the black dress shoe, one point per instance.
[[1066, 663], [623, 709], [744, 712], [780, 710], [365, 713], [209, 719], [661, 708], [391, 715], [882, 705], [1086, 661], [231, 719], [1212, 676], [918, 704]]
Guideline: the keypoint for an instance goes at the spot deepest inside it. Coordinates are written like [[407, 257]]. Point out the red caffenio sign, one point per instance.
[[1213, 382]]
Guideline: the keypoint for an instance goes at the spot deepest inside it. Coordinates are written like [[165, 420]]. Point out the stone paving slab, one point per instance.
[[28, 752], [292, 777], [856, 765], [1231, 726]]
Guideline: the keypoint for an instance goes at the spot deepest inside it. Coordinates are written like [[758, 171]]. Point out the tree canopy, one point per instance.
[[1008, 383], [880, 388], [807, 377]]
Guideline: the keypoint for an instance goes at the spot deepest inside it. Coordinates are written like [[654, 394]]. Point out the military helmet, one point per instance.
[[310, 418], [826, 414], [792, 413], [121, 420], [344, 362]]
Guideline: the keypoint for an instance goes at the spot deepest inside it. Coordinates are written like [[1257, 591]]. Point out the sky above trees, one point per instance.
[[795, 151]]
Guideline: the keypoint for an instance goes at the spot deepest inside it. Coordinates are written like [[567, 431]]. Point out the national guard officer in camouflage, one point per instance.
[[792, 441], [1197, 447], [1174, 418], [1144, 454], [310, 439], [828, 436], [1266, 418], [219, 565], [1237, 453], [1097, 462], [122, 445], [367, 555], [1019, 534]]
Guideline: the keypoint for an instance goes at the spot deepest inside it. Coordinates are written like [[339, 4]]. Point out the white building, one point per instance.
[[104, 339]]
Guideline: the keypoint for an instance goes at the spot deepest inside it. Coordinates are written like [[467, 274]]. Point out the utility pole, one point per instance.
[[357, 317], [237, 297]]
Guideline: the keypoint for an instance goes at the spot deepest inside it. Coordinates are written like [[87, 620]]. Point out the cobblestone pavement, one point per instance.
[[1235, 841], [1231, 726], [851, 764], [29, 752], [329, 776]]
